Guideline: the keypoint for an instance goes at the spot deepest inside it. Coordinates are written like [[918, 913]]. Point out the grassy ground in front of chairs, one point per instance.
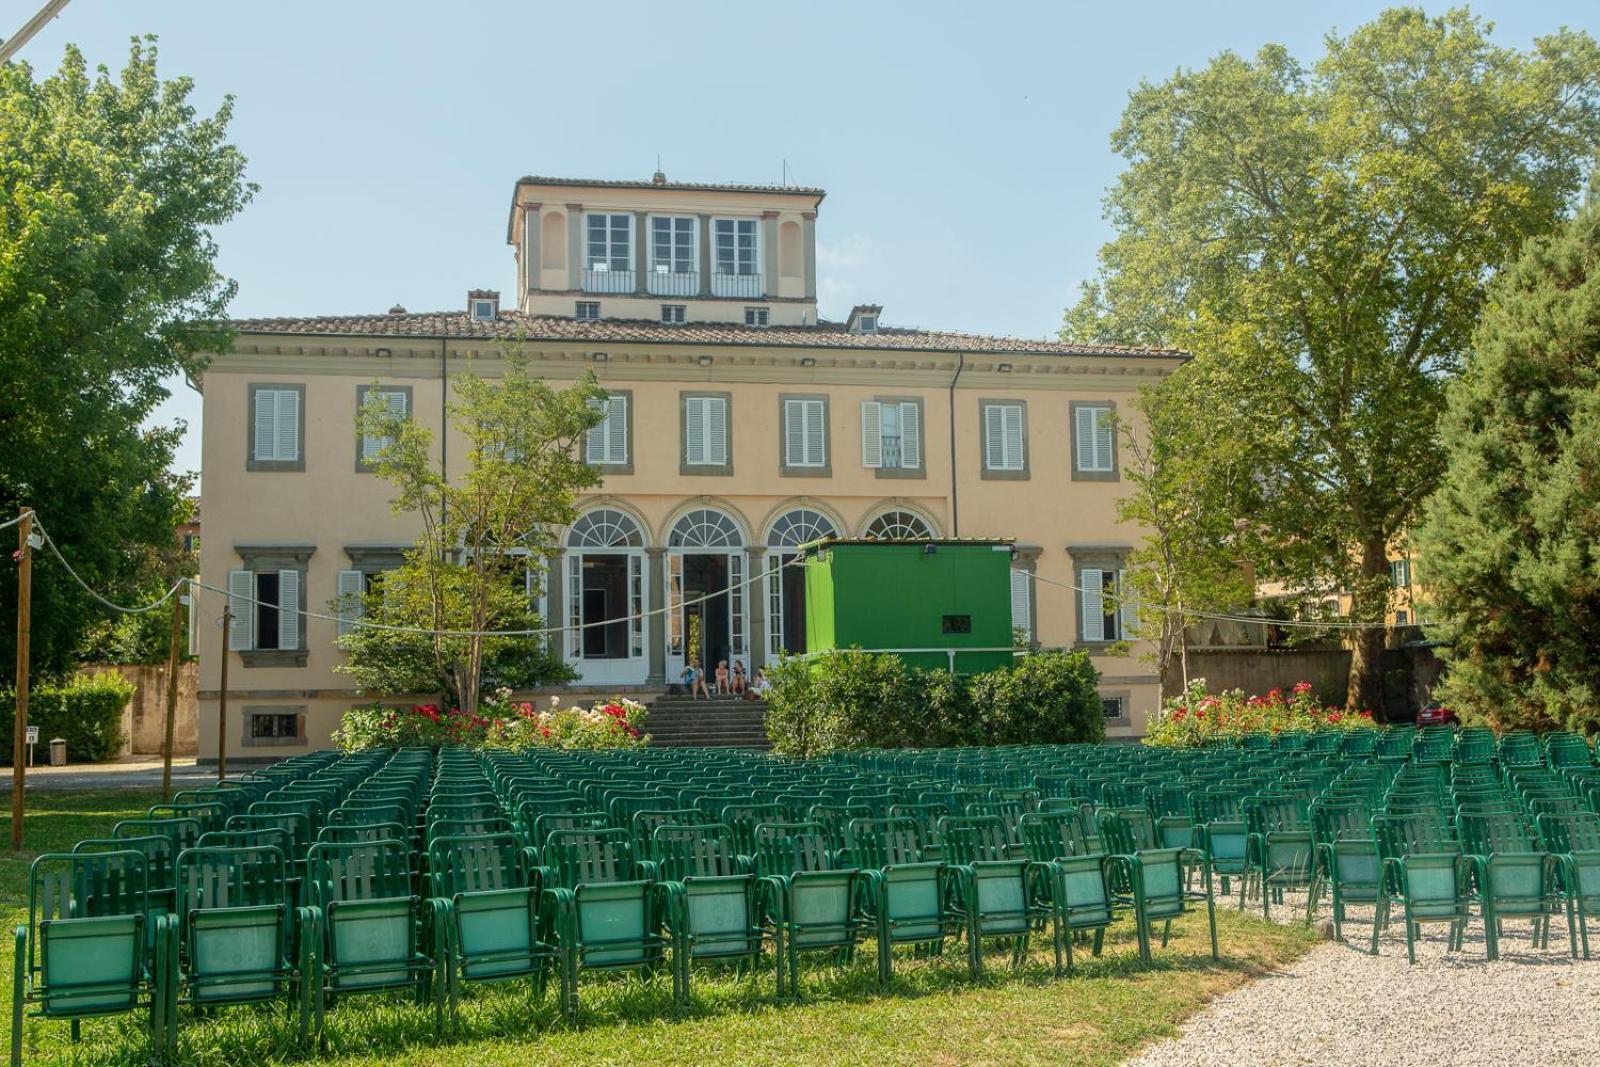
[[931, 1014]]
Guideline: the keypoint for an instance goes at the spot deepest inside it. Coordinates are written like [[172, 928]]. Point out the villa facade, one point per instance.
[[738, 426]]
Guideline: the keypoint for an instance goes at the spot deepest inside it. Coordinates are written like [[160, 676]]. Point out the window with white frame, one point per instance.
[[735, 243], [607, 443], [610, 245], [265, 610], [1003, 438], [1093, 439], [1106, 610], [757, 316], [891, 434], [397, 403], [705, 431], [483, 311], [672, 244], [674, 314], [805, 432], [587, 310], [276, 424]]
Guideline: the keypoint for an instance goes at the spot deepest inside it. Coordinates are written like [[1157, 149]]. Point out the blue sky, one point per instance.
[[964, 146]]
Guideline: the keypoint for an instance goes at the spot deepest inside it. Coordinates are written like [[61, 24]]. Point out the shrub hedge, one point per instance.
[[86, 711], [853, 699]]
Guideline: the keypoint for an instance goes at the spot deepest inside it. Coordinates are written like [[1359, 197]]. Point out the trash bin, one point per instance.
[[58, 752]]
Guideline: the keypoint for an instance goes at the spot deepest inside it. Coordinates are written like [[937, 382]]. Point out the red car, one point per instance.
[[1437, 715]]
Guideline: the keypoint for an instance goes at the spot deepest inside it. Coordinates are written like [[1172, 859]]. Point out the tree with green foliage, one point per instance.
[[1321, 237], [485, 533], [1191, 560], [109, 193], [1508, 541]]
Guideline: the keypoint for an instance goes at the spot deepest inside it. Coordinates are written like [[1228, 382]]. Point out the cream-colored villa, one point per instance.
[[740, 425]]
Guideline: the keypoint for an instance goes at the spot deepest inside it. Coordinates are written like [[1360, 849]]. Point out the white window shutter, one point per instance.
[[694, 430], [993, 437], [1013, 437], [288, 609], [1104, 438], [617, 430], [350, 588], [1091, 581], [288, 425], [716, 431], [242, 627], [594, 445], [871, 434], [910, 434], [1127, 607], [266, 442], [1022, 601], [1084, 437], [794, 433], [816, 435]]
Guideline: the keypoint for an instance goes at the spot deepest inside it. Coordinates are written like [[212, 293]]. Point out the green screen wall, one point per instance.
[[903, 595]]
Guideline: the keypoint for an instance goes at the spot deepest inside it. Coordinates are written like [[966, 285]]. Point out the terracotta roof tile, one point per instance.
[[710, 187], [514, 324]]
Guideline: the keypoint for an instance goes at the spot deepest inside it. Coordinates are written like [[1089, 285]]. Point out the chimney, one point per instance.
[[658, 178], [398, 309], [483, 305]]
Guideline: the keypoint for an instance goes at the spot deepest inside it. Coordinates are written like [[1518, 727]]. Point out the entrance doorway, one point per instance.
[[605, 601], [706, 593], [786, 582], [604, 593]]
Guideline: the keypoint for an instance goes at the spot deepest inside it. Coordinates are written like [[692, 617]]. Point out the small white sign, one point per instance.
[[33, 735]]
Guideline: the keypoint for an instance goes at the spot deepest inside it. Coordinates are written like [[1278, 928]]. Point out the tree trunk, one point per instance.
[[1369, 602]]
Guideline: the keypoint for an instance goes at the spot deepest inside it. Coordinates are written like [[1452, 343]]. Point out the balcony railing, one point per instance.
[[745, 285], [608, 281], [673, 282], [891, 452]]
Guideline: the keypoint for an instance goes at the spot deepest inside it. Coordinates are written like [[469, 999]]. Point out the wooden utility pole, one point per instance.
[[172, 698], [24, 621], [222, 697]]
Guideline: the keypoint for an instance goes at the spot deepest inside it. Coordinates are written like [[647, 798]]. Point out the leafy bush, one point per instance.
[[86, 711], [849, 699], [1197, 718], [503, 724]]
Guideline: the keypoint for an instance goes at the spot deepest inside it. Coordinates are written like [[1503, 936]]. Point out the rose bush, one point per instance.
[[503, 723], [1197, 718]]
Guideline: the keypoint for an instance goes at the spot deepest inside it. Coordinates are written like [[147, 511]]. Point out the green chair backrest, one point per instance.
[[1051, 835], [231, 877], [878, 843], [783, 849], [974, 838], [358, 870], [694, 850], [475, 863], [590, 857]]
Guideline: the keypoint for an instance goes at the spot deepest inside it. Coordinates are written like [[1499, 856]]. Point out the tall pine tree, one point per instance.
[[1510, 543]]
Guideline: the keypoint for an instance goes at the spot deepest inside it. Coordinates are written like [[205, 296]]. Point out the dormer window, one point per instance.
[[674, 314], [483, 305], [863, 318]]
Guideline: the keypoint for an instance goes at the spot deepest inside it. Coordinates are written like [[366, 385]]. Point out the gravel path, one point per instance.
[[1339, 1006]]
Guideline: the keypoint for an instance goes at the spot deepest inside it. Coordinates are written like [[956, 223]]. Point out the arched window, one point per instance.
[[899, 526], [605, 528], [800, 526], [705, 528]]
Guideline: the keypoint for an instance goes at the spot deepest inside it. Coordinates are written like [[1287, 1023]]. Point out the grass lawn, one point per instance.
[[931, 1015]]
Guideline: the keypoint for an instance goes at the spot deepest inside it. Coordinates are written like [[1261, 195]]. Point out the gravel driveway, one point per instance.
[[1340, 1006]]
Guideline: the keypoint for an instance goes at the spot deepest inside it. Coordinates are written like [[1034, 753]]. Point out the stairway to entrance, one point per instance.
[[721, 722]]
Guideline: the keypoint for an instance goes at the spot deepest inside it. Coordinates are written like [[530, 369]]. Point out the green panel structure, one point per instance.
[[917, 599]]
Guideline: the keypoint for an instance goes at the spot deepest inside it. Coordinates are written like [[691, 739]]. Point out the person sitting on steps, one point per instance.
[[722, 677], [739, 684], [694, 680]]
